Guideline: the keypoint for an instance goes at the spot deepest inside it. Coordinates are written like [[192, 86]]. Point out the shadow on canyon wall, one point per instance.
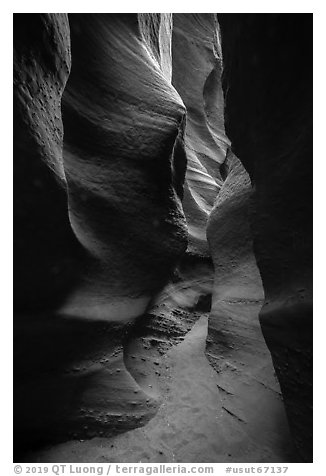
[[163, 226]]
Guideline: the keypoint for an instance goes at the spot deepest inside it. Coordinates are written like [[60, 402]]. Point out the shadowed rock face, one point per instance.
[[235, 345], [100, 227], [268, 86], [99, 221], [47, 254]]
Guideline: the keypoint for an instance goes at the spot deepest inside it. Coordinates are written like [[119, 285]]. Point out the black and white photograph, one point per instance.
[[162, 240]]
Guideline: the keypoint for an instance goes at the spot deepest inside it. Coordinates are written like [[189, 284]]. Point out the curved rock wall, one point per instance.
[[123, 160], [100, 225], [197, 70], [268, 85], [229, 237], [235, 345], [47, 254], [123, 163], [97, 238]]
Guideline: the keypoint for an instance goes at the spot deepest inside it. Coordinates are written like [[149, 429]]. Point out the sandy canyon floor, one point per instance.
[[190, 397]]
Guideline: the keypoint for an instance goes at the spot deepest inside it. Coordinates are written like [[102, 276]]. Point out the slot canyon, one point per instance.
[[163, 237]]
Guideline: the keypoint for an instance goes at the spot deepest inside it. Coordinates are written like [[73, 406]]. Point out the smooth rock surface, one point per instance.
[[197, 70], [197, 420], [250, 393], [126, 348], [99, 240], [123, 160], [269, 121]]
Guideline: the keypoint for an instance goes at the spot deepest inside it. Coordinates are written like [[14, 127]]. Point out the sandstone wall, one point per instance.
[[197, 70], [268, 87]]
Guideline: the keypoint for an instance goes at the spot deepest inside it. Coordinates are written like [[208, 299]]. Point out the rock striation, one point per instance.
[[197, 71], [99, 220], [129, 346], [122, 164], [124, 161]]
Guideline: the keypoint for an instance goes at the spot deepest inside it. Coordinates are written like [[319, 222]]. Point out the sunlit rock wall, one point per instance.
[[197, 70], [122, 166], [123, 163]]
